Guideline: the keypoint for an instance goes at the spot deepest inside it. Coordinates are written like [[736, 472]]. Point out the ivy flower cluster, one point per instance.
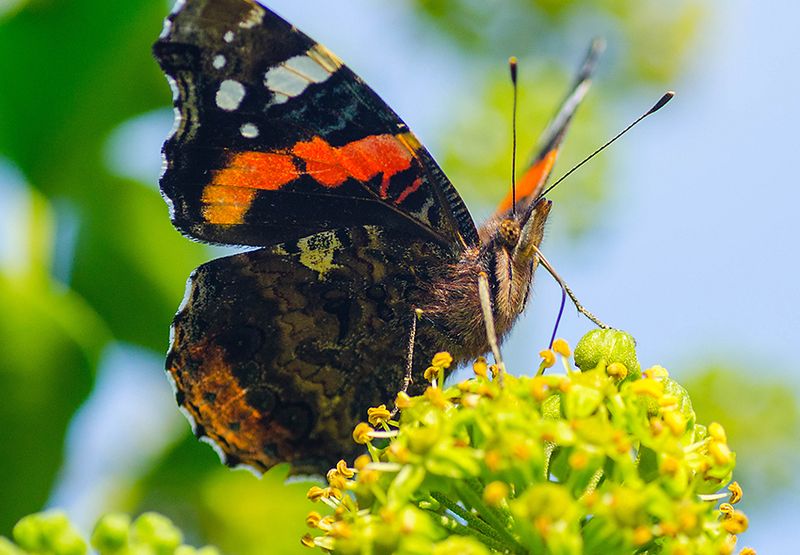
[[51, 533], [602, 458]]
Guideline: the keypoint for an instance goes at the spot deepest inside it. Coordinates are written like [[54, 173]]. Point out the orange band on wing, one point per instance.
[[232, 190], [361, 160], [258, 170], [532, 180]]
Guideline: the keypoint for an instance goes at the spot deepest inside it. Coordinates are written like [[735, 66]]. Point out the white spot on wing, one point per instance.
[[307, 68], [281, 79], [254, 17], [249, 131], [218, 62], [228, 36], [292, 77], [230, 95]]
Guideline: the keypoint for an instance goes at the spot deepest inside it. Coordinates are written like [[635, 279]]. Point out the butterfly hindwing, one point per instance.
[[275, 138], [277, 352]]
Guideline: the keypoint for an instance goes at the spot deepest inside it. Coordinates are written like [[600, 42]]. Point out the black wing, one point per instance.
[[275, 139]]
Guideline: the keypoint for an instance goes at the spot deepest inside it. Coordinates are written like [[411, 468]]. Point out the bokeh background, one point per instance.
[[685, 233]]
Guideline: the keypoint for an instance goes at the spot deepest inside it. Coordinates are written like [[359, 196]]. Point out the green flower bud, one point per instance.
[[158, 532], [8, 548], [48, 531], [606, 347], [111, 533]]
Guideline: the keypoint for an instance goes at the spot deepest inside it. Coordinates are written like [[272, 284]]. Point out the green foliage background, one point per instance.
[[73, 71]]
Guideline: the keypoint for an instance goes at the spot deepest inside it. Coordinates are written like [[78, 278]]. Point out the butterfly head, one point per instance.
[[510, 248]]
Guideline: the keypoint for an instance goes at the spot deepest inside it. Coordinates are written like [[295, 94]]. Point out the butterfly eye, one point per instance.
[[509, 232]]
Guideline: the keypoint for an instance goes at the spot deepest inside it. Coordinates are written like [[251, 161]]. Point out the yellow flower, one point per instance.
[[313, 518], [736, 493], [342, 468], [480, 367], [315, 493], [495, 492], [716, 431], [361, 433], [617, 370], [735, 524], [651, 388], [402, 401], [442, 360], [548, 358], [378, 415], [561, 347]]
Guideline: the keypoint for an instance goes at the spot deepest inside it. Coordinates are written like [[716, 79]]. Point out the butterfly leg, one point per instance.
[[412, 337], [549, 267], [488, 320]]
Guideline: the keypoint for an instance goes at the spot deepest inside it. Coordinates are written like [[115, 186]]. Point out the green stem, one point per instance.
[[474, 524]]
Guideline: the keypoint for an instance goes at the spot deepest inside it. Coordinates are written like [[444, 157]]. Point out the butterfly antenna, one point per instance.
[[512, 66], [656, 107]]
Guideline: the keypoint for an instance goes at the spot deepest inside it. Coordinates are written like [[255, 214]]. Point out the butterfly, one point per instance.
[[354, 234]]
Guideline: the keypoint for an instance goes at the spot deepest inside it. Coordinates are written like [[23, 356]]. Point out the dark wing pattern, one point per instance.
[[275, 139], [276, 353]]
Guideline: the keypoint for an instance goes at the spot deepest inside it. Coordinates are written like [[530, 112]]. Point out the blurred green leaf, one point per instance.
[[234, 509], [652, 39], [51, 343]]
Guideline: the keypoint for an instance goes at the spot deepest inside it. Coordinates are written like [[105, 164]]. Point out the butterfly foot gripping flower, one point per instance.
[[599, 457]]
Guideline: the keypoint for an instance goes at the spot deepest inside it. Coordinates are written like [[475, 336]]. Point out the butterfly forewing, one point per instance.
[[276, 139]]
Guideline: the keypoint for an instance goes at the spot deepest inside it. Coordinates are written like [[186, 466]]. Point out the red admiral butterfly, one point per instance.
[[276, 353]]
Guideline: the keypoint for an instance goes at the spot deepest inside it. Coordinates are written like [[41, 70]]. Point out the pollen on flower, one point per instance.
[[716, 431], [431, 373], [436, 397], [315, 493], [495, 492], [335, 479], [361, 462], [641, 535], [650, 388], [655, 373], [736, 493], [480, 367], [362, 433], [442, 360], [578, 460], [342, 468], [737, 523], [617, 370], [548, 358], [378, 415], [561, 347], [308, 540], [720, 452], [402, 401], [675, 421], [313, 518]]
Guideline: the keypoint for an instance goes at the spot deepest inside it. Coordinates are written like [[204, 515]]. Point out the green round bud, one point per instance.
[[111, 533], [38, 531], [69, 542], [158, 532], [8, 548], [604, 347]]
